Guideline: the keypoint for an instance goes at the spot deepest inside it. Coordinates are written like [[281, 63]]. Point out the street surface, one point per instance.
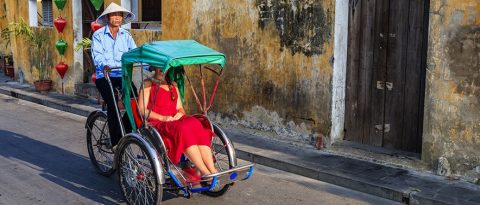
[[44, 160]]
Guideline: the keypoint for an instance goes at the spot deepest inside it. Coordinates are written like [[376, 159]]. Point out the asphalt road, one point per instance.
[[44, 160]]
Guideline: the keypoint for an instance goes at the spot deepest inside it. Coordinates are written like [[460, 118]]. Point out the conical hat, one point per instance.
[[113, 7]]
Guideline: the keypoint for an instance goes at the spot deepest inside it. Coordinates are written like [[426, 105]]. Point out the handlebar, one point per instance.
[[120, 68]]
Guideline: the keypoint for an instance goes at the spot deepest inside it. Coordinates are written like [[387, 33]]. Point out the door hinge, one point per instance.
[[382, 128], [382, 84]]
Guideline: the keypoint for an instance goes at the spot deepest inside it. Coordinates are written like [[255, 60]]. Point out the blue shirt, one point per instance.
[[109, 51]]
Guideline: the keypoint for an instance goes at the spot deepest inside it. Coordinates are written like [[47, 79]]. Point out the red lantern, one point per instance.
[[61, 69], [59, 24], [95, 26], [94, 77]]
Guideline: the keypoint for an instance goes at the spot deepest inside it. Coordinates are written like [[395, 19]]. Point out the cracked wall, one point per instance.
[[27, 60], [3, 23], [279, 60], [452, 102]]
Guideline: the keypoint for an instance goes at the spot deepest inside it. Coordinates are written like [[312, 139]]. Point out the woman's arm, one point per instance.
[[143, 98]]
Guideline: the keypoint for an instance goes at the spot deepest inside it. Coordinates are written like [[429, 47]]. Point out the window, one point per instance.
[[47, 14], [148, 14], [40, 12]]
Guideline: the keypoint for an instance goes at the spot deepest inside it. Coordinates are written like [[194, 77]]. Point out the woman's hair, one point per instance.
[[170, 85]]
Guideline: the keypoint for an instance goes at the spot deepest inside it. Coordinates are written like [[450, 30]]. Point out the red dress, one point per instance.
[[180, 134]]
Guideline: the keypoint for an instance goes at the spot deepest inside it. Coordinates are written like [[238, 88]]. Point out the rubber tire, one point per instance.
[[94, 161], [159, 187]]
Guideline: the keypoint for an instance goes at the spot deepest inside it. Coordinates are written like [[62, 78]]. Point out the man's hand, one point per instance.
[[106, 70]]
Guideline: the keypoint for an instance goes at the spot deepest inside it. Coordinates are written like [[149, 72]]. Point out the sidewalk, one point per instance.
[[389, 182]]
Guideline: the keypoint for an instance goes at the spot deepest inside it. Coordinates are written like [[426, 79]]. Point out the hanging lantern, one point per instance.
[[61, 46], [94, 77], [97, 4], [59, 24], [95, 26], [60, 4], [61, 69]]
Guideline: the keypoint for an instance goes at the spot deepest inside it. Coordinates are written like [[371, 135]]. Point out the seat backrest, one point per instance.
[[136, 113]]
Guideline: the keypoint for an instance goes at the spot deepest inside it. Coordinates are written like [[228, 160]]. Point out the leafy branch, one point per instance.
[[85, 44]]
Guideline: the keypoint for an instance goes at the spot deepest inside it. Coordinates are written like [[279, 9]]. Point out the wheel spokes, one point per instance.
[[137, 176]]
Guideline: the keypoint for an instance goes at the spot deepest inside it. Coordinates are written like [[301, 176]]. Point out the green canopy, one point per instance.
[[170, 56]]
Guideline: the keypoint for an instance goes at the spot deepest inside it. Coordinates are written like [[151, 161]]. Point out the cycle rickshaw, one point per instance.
[[140, 157]]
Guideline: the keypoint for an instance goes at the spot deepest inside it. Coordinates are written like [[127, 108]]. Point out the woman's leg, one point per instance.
[[207, 157], [193, 153]]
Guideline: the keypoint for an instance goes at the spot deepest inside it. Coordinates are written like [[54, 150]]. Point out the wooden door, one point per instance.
[[386, 73]]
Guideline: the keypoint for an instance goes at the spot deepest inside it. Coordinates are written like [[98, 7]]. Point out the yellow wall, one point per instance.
[[3, 24], [452, 102], [269, 83], [24, 56]]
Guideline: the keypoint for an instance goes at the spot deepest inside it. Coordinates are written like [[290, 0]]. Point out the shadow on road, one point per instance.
[[67, 169]]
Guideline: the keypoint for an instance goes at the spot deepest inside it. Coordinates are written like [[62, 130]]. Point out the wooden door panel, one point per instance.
[[379, 58], [414, 80], [396, 58], [353, 113]]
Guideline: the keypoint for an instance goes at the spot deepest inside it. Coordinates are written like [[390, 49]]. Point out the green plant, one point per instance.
[[85, 44], [37, 38]]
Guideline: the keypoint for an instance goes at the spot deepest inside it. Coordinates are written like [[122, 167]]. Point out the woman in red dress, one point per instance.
[[180, 132]]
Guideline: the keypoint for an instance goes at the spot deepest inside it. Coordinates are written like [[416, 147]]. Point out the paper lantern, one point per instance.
[[59, 24], [95, 26], [97, 4], [61, 46], [94, 77], [61, 69], [60, 4]]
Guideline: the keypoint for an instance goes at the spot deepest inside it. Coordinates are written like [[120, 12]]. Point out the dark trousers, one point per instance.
[[113, 124]]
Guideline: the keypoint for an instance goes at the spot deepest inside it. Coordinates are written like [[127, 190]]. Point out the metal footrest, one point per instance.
[[214, 180]]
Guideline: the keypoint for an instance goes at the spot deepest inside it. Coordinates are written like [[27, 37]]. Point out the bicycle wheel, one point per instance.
[[99, 145], [222, 159], [137, 174]]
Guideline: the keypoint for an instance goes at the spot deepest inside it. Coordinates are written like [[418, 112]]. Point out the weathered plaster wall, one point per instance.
[[451, 140], [3, 24], [278, 76], [26, 59]]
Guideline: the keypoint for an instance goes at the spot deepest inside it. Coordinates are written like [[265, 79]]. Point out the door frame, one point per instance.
[[339, 75], [339, 78]]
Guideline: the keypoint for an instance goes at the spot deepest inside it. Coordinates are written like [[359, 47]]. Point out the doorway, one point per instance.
[[89, 14], [385, 76]]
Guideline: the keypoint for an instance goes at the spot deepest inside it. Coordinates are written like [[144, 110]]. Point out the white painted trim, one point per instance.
[[135, 9], [128, 5], [77, 37], [32, 13], [339, 70]]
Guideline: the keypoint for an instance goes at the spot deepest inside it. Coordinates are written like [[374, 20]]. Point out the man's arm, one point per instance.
[[130, 42], [97, 53]]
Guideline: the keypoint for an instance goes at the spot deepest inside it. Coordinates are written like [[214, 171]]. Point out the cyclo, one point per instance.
[[144, 169]]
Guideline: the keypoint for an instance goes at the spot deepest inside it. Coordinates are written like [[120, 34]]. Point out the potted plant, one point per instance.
[[37, 39]]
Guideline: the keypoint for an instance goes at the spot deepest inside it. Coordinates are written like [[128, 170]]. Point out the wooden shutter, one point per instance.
[[151, 10], [47, 18]]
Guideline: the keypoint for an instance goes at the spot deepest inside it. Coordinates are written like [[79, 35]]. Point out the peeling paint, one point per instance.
[[451, 127], [260, 71], [303, 26]]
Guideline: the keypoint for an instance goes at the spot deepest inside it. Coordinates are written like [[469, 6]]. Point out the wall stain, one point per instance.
[[302, 25], [464, 60]]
